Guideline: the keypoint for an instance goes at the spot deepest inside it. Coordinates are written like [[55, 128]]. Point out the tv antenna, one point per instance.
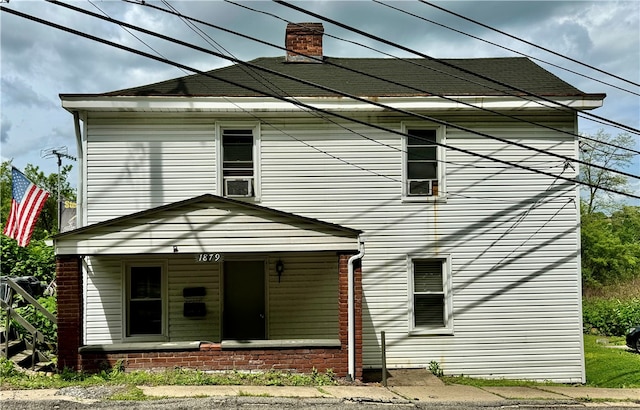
[[60, 152]]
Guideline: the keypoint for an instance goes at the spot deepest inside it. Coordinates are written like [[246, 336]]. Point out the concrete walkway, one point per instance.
[[426, 390]]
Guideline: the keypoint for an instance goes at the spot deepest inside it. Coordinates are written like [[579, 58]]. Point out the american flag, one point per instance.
[[26, 204]]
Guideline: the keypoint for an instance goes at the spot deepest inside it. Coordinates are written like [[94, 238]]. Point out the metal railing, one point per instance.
[[6, 303]]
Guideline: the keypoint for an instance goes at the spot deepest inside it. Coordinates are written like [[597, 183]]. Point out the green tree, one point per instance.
[[604, 152], [610, 246], [37, 259]]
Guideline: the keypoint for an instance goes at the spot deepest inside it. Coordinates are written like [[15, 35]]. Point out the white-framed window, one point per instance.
[[238, 160], [423, 162], [431, 305], [146, 300]]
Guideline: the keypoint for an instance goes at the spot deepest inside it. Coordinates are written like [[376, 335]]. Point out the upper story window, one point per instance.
[[431, 301], [238, 166], [423, 163]]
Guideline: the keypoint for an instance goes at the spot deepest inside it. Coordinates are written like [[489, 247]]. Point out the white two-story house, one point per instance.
[[281, 214]]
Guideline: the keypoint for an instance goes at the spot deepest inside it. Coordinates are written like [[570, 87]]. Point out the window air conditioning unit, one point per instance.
[[238, 187]]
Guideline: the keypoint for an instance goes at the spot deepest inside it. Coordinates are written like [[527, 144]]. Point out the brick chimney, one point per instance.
[[305, 39]]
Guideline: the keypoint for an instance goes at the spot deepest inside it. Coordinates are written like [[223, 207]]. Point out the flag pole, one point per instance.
[[60, 152]]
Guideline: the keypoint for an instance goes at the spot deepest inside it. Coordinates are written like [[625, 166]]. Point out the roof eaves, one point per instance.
[[201, 199]]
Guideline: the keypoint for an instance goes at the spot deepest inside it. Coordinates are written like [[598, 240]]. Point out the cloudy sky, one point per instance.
[[39, 62]]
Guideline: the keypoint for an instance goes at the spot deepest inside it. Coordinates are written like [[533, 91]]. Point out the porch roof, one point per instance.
[[206, 224]]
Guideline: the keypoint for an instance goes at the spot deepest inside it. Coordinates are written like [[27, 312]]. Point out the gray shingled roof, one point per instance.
[[427, 76]]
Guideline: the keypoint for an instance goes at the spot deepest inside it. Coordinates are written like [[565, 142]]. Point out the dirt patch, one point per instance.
[[403, 377]]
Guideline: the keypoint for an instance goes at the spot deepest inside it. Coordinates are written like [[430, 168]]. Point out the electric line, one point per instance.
[[388, 42], [556, 105], [503, 47], [367, 101], [273, 86], [237, 61], [300, 104], [387, 80], [528, 42]]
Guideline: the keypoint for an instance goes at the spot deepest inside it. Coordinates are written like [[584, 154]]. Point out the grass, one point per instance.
[[606, 366], [10, 377], [610, 367]]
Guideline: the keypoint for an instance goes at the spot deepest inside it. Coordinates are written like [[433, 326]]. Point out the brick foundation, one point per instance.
[[211, 357], [207, 356]]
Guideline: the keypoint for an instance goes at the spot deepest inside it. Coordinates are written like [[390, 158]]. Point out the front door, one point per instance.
[[244, 301]]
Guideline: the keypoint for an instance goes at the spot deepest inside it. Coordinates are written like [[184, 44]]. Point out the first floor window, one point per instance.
[[431, 304], [145, 301]]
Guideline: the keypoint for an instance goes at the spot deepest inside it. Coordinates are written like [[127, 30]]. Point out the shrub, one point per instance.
[[610, 317]]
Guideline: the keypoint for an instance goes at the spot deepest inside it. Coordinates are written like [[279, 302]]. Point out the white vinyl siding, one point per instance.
[[136, 163], [511, 233], [303, 303]]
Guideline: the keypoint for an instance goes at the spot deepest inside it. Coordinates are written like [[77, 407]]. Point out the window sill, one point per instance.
[[196, 345], [443, 331], [279, 344], [140, 347], [424, 199]]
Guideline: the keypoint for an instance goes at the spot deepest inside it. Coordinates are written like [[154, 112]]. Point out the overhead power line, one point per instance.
[[300, 104], [329, 89], [319, 59], [528, 42], [445, 63], [504, 47], [412, 62]]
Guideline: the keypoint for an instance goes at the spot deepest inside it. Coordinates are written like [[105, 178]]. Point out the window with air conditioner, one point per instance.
[[238, 162], [423, 157]]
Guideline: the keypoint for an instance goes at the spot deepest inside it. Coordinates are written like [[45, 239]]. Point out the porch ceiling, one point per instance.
[[206, 224]]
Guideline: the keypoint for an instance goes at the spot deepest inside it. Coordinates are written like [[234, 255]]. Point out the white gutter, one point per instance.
[[351, 315], [242, 104]]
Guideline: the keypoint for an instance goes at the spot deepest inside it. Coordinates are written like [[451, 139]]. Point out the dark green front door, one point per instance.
[[244, 301]]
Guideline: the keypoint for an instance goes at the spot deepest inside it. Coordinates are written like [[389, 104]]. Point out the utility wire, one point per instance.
[[300, 104], [188, 21], [445, 63], [332, 90], [450, 74], [503, 47], [383, 79], [528, 42], [328, 62]]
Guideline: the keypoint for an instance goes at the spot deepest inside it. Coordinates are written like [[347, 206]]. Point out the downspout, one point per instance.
[[351, 311], [80, 191]]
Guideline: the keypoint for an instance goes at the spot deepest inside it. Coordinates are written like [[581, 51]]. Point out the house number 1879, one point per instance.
[[208, 257]]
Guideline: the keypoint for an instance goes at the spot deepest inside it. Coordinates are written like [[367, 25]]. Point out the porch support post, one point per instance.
[[69, 289]]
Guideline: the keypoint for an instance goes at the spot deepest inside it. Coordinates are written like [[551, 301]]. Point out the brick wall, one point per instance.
[[209, 356], [69, 288]]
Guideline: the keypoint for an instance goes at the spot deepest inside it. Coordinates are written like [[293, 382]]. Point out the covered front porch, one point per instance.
[[277, 300]]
